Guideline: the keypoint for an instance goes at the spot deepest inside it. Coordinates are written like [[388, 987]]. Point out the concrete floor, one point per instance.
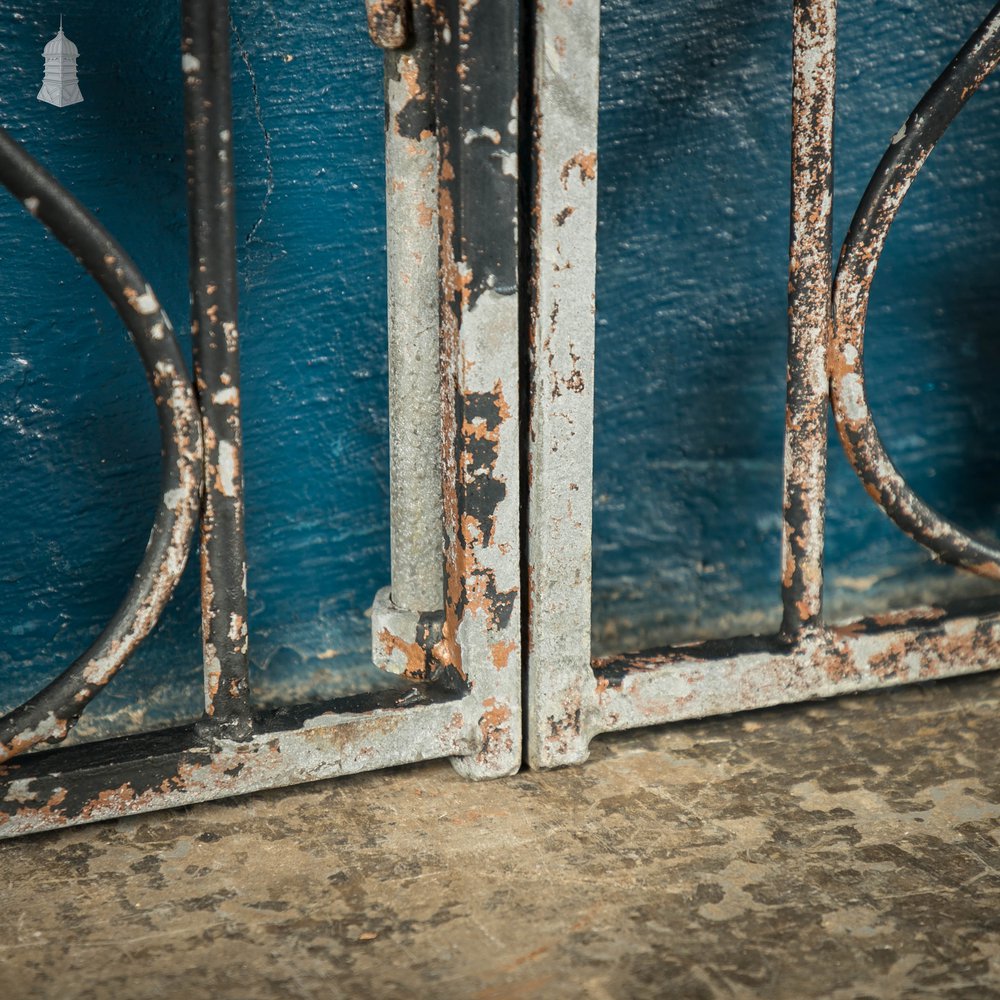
[[841, 850]]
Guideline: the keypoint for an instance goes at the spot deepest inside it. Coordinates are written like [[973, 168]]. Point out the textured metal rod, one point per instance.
[[205, 61], [411, 153], [407, 615], [907, 153], [810, 285], [51, 714]]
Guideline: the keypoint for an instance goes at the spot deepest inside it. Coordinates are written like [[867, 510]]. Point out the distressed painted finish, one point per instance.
[[388, 22], [810, 313], [51, 713], [411, 169], [692, 323], [694, 131], [561, 378], [407, 616], [805, 659], [208, 122], [176, 767], [478, 652], [81, 444], [717, 677], [476, 71]]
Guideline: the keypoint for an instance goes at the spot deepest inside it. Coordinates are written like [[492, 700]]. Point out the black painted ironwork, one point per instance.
[[212, 277], [51, 714]]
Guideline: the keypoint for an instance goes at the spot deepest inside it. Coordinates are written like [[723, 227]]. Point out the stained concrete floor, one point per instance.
[[849, 849]]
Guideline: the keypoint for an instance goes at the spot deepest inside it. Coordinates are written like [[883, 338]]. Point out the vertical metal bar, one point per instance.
[[411, 160], [407, 615], [476, 73], [810, 314], [560, 685], [211, 205]]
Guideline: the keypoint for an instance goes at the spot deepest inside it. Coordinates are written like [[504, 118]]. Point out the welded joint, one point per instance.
[[404, 641]]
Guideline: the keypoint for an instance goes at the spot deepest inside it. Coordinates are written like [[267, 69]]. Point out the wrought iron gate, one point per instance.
[[460, 693], [570, 699], [491, 130]]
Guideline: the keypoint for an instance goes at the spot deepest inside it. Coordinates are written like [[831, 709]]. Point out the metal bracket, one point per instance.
[[403, 641]]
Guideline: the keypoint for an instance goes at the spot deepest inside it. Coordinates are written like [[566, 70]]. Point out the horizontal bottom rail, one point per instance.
[[180, 766], [719, 677], [722, 676]]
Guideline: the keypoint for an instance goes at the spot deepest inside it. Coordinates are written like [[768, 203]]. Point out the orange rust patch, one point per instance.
[[500, 653], [494, 725], [416, 658], [114, 799], [446, 652], [409, 72], [585, 163]]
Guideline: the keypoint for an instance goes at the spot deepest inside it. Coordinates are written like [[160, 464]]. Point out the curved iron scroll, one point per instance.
[[50, 714], [862, 249]]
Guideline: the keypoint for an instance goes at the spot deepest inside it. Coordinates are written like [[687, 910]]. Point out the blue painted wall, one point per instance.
[[77, 432], [691, 336]]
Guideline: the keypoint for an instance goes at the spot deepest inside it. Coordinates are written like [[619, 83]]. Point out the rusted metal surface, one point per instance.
[[212, 219], [388, 22], [907, 152], [178, 767], [406, 618], [411, 158], [810, 284], [563, 157], [50, 714], [456, 134], [733, 675], [476, 78]]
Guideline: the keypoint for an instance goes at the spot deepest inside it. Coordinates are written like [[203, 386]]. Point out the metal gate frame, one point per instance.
[[460, 696], [569, 698]]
